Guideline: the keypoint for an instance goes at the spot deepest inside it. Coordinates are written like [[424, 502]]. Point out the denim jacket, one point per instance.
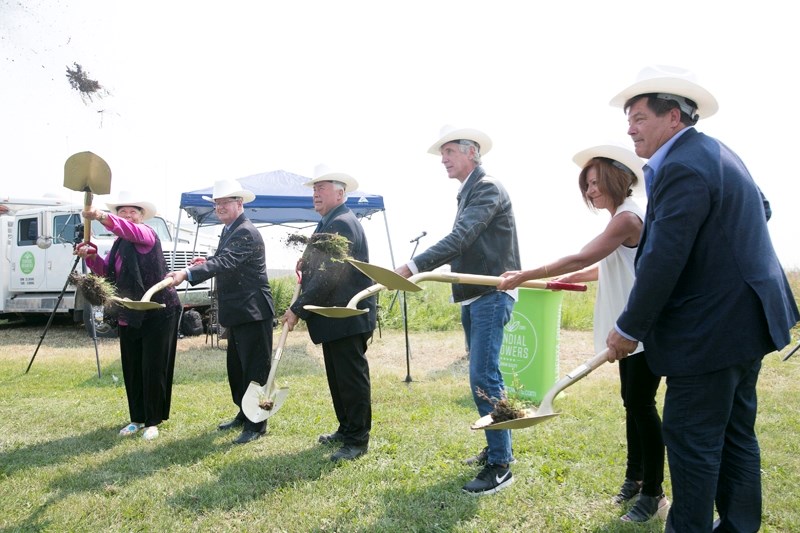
[[484, 237]]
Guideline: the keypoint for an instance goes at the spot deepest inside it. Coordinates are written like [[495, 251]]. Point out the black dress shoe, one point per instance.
[[332, 438], [348, 452], [230, 424], [248, 436]]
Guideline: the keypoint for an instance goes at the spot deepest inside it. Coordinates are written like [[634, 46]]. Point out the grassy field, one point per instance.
[[63, 467]]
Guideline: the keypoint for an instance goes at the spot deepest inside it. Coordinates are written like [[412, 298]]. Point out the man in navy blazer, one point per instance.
[[329, 282], [709, 301], [245, 299]]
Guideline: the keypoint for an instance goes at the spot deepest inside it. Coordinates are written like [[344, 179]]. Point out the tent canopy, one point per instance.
[[281, 198]]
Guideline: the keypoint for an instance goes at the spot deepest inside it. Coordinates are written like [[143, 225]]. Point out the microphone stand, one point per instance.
[[405, 315]]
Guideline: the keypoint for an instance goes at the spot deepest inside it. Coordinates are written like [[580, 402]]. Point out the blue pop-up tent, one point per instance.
[[281, 199]]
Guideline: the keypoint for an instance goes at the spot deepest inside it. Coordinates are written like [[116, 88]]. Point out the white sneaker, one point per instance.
[[130, 429], [150, 433]]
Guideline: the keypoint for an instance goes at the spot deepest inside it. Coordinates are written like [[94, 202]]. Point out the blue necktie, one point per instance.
[[648, 179]]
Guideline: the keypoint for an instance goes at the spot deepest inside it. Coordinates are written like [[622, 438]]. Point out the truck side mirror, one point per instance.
[[44, 242]]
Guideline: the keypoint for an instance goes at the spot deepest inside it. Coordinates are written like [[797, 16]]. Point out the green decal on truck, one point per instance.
[[27, 262]]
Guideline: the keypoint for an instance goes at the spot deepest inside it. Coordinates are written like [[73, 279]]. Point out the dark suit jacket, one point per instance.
[[709, 291], [241, 273], [335, 283]]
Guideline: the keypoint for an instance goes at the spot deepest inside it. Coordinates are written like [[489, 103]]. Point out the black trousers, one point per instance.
[[638, 386], [348, 379], [148, 364], [249, 356]]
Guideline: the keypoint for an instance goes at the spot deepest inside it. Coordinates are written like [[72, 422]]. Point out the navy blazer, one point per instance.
[[336, 282], [240, 268], [709, 291]]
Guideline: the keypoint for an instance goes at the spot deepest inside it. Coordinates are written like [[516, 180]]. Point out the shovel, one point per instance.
[[145, 304], [545, 410], [255, 392], [87, 173], [389, 279]]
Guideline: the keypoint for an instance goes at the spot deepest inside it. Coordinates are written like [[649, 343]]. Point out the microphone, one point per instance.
[[418, 237]]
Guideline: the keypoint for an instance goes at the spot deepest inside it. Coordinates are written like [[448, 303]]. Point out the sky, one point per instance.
[[201, 91]]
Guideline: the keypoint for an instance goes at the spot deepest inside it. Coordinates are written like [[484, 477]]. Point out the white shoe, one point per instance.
[[150, 433], [130, 429]]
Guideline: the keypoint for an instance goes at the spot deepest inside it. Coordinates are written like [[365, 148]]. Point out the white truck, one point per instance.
[[38, 236]]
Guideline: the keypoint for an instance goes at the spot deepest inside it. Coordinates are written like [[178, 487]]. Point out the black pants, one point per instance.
[[642, 424], [249, 356], [348, 379], [148, 363]]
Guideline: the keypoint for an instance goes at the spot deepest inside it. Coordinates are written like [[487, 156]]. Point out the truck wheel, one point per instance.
[[191, 323]]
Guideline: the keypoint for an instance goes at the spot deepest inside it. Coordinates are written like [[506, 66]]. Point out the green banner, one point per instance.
[[529, 354]]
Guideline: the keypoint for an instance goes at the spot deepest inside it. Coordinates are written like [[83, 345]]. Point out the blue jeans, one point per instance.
[[483, 322], [714, 457]]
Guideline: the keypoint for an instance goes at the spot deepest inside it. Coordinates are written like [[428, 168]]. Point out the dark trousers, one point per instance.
[[148, 363], [638, 386], [249, 356], [709, 430], [348, 379]]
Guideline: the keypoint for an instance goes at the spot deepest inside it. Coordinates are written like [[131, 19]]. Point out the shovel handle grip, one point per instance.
[[561, 286]]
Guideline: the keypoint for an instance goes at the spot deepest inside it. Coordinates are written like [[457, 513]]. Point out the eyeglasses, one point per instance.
[[224, 202]]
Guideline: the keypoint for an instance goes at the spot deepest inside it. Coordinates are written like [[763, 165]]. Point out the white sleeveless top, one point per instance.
[[614, 284]]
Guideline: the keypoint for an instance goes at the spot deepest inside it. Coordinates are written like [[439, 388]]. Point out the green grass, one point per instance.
[[63, 467]]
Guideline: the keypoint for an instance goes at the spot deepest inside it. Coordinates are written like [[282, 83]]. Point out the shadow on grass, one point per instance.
[[57, 451], [251, 478], [109, 475], [445, 504]]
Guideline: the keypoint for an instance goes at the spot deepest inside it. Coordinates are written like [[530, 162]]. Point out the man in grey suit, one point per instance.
[[709, 301], [245, 299]]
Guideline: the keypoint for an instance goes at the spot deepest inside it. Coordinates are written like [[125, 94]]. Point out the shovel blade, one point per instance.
[[251, 400], [86, 171], [334, 312], [532, 419], [388, 278], [137, 305]]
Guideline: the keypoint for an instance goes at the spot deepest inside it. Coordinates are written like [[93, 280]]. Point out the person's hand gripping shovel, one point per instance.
[[259, 403]]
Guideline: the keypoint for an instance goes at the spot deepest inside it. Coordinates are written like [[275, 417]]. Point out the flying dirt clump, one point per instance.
[[80, 81], [331, 244]]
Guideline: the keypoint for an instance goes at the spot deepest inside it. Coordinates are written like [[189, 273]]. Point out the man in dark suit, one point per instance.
[[245, 299], [709, 301], [330, 282]]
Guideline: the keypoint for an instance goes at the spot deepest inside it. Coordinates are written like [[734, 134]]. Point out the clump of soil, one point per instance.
[[96, 289], [505, 408], [331, 244], [264, 402], [80, 81]]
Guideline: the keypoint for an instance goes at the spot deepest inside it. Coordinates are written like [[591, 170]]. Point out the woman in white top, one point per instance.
[[607, 180]]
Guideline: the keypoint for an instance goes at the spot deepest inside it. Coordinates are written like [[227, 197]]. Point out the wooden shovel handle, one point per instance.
[[164, 283], [87, 224]]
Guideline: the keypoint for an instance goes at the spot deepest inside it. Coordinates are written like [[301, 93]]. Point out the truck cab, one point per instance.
[[36, 254]]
